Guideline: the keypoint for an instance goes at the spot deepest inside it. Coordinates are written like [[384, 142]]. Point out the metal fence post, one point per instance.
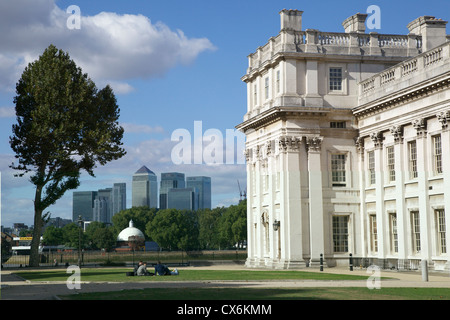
[[351, 262], [321, 262]]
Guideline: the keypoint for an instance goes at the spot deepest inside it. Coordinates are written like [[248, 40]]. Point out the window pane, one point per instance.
[[391, 163], [340, 233], [412, 148], [335, 79]]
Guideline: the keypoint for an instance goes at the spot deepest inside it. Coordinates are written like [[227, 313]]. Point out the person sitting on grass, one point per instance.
[[142, 270], [161, 269], [137, 267]]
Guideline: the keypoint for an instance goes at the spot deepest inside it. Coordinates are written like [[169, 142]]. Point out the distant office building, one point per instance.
[[119, 198], [144, 188], [101, 210], [203, 186], [182, 199], [169, 180], [82, 205]]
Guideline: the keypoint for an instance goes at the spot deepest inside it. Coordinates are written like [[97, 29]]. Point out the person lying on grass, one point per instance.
[[163, 270]]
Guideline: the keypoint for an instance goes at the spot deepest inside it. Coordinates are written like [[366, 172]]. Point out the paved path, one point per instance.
[[15, 288]]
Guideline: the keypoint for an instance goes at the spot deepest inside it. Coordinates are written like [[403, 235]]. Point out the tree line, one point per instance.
[[171, 229]]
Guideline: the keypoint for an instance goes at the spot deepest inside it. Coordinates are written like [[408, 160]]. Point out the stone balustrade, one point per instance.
[[314, 41], [406, 73]]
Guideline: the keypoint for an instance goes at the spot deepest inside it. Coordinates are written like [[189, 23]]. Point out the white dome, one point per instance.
[[131, 231]]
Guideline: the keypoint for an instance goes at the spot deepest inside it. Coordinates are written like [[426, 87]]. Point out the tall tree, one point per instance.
[[64, 125]]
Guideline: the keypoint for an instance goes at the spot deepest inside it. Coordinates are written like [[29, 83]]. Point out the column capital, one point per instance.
[[444, 119], [420, 125], [359, 142], [397, 132], [314, 144], [289, 143], [377, 138]]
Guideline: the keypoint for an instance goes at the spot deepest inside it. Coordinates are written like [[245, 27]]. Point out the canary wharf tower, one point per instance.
[[144, 188]]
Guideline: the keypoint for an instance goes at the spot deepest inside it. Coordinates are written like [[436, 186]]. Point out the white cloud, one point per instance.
[[110, 47], [140, 128], [7, 112]]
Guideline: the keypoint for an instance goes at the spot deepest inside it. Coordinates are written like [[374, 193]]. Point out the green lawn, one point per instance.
[[269, 294], [119, 275]]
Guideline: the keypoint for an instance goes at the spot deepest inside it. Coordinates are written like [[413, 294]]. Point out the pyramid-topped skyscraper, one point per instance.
[[144, 188]]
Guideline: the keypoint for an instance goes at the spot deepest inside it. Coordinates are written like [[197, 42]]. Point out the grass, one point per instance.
[[119, 275], [233, 293], [269, 294]]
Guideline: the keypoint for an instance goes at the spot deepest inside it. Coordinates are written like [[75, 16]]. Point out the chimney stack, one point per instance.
[[355, 23], [291, 20], [432, 30]]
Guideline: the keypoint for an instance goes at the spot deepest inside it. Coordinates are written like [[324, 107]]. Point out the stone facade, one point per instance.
[[329, 121]]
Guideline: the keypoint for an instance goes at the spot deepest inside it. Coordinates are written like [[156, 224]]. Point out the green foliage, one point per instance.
[[53, 236], [100, 236], [72, 235], [140, 216], [64, 125], [6, 250], [174, 229]]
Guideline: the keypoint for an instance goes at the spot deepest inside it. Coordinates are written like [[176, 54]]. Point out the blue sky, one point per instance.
[[170, 63]]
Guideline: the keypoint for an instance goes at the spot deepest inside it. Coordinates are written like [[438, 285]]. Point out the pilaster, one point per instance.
[[444, 118], [422, 178], [397, 133], [382, 233], [316, 214]]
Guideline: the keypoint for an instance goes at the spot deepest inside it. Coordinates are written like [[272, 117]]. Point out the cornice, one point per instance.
[[409, 94], [281, 113]]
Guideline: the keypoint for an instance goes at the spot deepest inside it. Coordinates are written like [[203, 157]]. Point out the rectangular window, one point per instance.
[[371, 155], [412, 157], [266, 88], [437, 150], [278, 81], [394, 234], [373, 233], [440, 223], [391, 163], [415, 227], [338, 124], [338, 170], [340, 233], [335, 79]]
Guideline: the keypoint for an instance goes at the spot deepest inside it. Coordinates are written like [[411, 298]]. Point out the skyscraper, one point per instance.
[[169, 180], [102, 210], [144, 188], [203, 192], [182, 199], [82, 205], [119, 197]]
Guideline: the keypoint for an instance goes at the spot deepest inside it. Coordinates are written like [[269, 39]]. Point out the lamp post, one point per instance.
[[80, 225]]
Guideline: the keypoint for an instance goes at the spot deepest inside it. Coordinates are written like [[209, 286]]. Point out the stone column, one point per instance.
[[316, 215], [359, 142], [422, 179], [444, 118], [382, 231], [251, 223], [291, 203], [400, 170]]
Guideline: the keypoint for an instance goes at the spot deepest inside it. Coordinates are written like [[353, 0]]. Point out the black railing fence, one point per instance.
[[87, 257]]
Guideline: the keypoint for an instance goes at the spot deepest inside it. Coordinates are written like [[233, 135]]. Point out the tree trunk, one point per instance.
[[38, 224]]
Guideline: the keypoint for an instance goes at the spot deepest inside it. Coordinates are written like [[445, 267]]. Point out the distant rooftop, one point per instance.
[[144, 170]]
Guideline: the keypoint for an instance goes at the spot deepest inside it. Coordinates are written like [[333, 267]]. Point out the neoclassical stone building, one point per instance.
[[348, 146]]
